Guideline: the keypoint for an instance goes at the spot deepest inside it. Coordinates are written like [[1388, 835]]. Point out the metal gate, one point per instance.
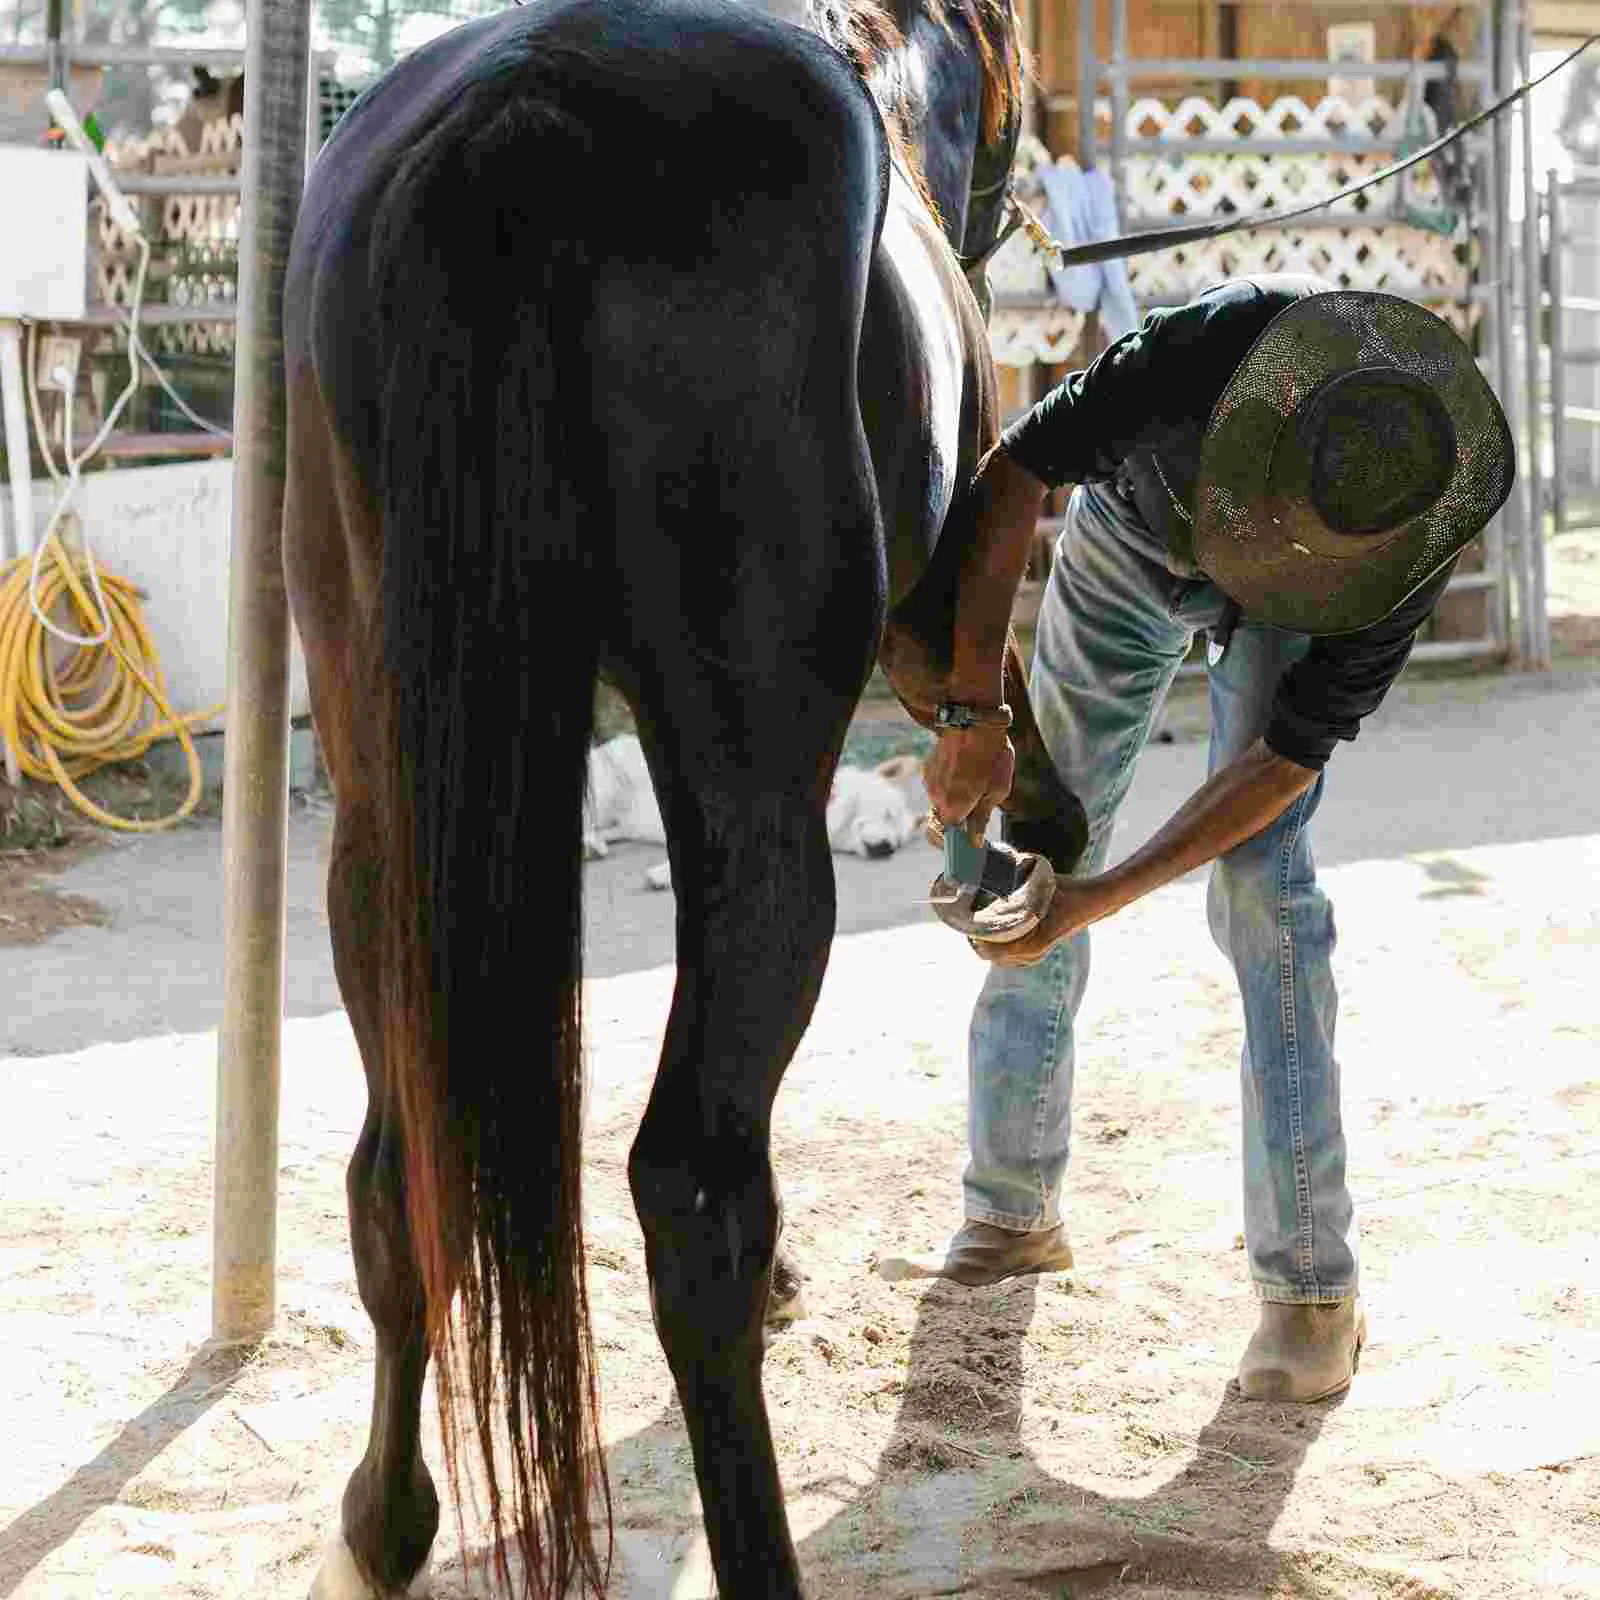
[[1371, 248], [1572, 240]]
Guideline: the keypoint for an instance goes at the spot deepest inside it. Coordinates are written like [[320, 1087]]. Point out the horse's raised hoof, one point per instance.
[[979, 912], [339, 1578]]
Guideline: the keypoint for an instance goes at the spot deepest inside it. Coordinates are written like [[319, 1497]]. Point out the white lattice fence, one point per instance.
[[1377, 249], [1209, 182], [1380, 249], [1397, 259]]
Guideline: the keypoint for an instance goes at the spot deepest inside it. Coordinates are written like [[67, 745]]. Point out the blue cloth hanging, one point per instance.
[[1081, 207]]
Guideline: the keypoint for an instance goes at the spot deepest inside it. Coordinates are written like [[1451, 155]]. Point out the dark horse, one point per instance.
[[622, 342]]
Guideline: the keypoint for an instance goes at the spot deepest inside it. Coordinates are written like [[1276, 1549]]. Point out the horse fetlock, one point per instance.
[[340, 1578], [387, 1530]]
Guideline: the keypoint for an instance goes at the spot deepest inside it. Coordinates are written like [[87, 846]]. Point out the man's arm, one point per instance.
[[1173, 366], [1080, 430], [1233, 805], [1009, 500], [969, 771], [1076, 430]]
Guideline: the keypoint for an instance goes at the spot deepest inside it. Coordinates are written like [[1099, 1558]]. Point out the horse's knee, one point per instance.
[[711, 1220], [380, 1239]]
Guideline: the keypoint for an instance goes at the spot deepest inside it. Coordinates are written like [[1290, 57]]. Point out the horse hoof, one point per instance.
[[339, 1578], [997, 919], [785, 1303]]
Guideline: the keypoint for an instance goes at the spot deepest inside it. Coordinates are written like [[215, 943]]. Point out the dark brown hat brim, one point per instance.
[[1275, 557]]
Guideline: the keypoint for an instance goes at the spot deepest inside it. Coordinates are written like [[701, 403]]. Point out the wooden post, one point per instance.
[[256, 749]]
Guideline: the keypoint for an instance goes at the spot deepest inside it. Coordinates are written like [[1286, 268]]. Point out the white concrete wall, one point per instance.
[[167, 530]]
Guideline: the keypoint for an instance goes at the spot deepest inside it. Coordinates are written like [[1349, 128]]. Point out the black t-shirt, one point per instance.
[[1146, 401]]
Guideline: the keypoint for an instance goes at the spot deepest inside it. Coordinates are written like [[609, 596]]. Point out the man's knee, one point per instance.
[[1244, 903]]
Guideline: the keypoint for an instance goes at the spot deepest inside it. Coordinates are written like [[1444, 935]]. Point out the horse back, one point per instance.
[[710, 183]]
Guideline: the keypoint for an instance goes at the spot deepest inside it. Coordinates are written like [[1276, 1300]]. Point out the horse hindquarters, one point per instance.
[[599, 432]]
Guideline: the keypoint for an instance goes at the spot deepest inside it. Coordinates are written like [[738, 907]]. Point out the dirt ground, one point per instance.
[[1055, 1437], [1052, 1437]]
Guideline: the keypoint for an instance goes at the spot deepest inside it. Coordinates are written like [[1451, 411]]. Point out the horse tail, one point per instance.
[[488, 691]]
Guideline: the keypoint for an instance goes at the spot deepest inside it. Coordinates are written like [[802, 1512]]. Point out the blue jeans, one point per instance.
[[1114, 626]]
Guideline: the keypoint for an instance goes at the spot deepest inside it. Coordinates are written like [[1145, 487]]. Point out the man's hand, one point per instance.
[[1234, 804], [1077, 902], [968, 775]]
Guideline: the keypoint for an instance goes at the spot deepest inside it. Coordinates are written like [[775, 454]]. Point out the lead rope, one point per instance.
[[1136, 244]]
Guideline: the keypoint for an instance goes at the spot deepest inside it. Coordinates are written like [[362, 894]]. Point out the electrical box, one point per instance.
[[44, 233]]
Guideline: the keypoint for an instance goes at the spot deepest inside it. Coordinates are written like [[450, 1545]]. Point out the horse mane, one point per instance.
[[872, 32]]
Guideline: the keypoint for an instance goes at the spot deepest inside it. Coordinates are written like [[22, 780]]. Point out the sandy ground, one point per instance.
[[1056, 1437], [1051, 1437]]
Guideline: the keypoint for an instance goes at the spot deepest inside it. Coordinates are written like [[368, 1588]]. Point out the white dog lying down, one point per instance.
[[871, 811]]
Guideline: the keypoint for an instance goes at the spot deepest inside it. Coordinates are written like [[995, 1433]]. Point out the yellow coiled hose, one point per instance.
[[66, 710]]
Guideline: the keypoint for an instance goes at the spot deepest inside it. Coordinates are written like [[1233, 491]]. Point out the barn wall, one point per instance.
[[1208, 28]]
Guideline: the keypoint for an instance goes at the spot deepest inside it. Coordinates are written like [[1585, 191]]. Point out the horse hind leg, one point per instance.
[[753, 941], [390, 1511], [743, 720]]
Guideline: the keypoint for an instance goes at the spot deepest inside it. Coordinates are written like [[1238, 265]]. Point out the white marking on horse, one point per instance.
[[339, 1578], [912, 244], [795, 11]]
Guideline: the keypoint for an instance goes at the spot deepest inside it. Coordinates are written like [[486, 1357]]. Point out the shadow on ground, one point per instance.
[[958, 1505]]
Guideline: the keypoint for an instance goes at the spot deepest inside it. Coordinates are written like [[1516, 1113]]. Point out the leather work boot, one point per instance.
[[981, 1254], [1303, 1352]]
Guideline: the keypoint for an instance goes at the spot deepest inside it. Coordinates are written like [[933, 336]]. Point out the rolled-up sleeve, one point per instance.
[[1165, 375], [1083, 428], [1343, 679]]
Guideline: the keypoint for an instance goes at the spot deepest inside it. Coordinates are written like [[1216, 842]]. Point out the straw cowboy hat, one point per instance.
[[1355, 450]]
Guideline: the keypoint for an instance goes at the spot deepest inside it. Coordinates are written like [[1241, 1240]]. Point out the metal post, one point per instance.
[[256, 753], [1512, 517], [19, 469], [1490, 208], [313, 111], [1035, 116], [1538, 656], [1558, 356], [53, 30], [1088, 80], [19, 463], [1119, 106]]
